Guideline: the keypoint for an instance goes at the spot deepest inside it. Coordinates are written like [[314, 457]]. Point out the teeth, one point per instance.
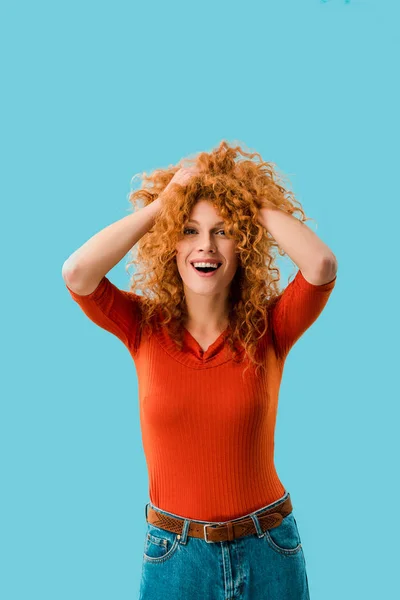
[[204, 264]]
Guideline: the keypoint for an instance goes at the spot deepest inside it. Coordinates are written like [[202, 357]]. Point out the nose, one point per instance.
[[205, 242]]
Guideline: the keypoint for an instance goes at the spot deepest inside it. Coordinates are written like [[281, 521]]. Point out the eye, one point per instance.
[[188, 229]]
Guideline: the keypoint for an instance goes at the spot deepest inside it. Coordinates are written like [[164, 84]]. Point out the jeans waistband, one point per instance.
[[255, 512]]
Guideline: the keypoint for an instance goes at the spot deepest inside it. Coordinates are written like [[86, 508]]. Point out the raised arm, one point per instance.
[[87, 266]]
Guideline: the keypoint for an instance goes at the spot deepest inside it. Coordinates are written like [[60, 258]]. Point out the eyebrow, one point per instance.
[[216, 224]]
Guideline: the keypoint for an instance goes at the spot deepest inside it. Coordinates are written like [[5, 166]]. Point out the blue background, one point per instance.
[[95, 92]]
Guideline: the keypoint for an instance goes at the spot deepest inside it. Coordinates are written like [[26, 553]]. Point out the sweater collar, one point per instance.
[[192, 354]]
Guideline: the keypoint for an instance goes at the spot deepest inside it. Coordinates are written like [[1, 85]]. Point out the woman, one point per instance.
[[209, 347]]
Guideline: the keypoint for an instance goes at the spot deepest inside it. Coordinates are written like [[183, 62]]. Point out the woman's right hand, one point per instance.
[[182, 176]]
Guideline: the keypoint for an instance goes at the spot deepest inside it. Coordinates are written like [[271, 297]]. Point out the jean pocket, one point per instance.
[[285, 539], [160, 544]]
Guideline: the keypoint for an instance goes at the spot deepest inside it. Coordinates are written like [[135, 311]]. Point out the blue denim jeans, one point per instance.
[[265, 565]]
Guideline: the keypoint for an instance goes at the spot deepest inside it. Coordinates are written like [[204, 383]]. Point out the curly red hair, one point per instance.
[[238, 188]]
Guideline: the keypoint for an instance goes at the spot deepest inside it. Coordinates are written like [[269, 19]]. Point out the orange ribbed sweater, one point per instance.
[[208, 435]]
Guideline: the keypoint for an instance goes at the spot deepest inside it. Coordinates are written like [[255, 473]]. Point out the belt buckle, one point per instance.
[[205, 531]]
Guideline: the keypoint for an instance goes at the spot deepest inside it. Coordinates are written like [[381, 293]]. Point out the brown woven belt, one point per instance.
[[223, 531]]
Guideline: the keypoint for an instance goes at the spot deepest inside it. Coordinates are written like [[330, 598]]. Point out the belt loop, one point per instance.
[[260, 532], [184, 535], [145, 510]]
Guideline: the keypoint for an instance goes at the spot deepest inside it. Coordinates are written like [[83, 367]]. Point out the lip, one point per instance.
[[210, 274], [207, 260]]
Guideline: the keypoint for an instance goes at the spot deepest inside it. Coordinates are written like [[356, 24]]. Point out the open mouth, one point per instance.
[[206, 271]]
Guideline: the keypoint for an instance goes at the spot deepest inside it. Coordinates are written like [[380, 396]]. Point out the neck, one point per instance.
[[206, 326]]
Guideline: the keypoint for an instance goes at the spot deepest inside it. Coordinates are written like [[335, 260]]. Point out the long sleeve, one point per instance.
[[297, 308], [115, 310]]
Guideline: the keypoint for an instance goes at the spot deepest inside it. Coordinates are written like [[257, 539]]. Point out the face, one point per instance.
[[206, 239]]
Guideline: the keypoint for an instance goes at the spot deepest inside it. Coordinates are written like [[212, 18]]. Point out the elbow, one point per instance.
[[67, 270], [329, 266]]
